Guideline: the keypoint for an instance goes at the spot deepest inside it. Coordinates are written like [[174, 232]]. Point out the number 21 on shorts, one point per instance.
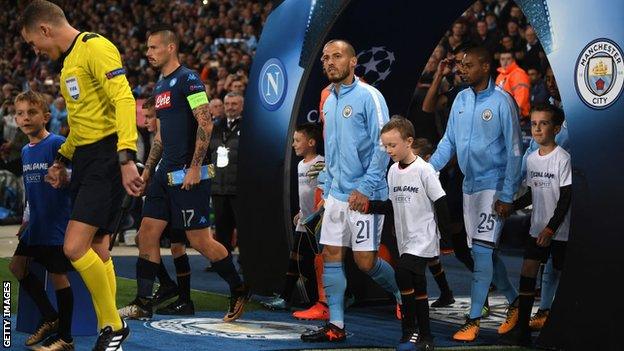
[[361, 236]]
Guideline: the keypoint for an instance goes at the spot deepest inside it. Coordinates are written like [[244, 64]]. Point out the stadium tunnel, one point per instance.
[[397, 37]]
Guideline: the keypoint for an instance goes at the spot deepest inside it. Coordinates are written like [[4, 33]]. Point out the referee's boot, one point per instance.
[[109, 340], [44, 330], [178, 307], [328, 333], [140, 309], [164, 293], [238, 299], [408, 341], [424, 343]]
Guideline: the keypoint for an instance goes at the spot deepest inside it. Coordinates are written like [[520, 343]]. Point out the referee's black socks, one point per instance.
[[183, 275], [32, 285], [226, 270]]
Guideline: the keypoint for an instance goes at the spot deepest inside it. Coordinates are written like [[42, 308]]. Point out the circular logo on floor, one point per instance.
[[242, 329]]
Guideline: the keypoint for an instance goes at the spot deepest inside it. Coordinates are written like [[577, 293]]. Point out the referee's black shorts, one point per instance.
[[51, 257], [95, 186]]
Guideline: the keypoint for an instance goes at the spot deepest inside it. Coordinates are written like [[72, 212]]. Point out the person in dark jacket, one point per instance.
[[224, 155]]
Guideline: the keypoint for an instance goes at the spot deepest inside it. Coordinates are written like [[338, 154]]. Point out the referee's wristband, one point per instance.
[[62, 159]]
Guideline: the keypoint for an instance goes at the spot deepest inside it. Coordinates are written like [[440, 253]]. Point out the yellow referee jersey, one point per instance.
[[97, 93]]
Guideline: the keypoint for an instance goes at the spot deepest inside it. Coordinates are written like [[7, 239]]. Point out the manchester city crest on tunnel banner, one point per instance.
[[599, 76]]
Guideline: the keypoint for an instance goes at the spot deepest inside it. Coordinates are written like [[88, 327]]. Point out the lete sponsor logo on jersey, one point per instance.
[[163, 100]]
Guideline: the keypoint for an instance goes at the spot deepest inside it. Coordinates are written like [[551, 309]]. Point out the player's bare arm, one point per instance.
[[202, 142], [154, 156]]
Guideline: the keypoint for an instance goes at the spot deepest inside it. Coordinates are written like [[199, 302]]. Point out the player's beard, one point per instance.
[[342, 75]]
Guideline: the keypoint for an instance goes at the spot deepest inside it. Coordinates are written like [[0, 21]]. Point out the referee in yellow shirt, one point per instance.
[[100, 149]]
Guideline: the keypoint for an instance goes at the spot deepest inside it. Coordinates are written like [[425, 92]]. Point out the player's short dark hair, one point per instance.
[[33, 98], [350, 48], [401, 124], [41, 11], [556, 114], [150, 102], [482, 54], [312, 131], [423, 145], [168, 33]]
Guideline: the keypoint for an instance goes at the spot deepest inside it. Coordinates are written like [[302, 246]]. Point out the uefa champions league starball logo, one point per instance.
[[374, 64]]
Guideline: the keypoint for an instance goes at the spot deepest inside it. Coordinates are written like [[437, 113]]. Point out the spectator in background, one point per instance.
[[217, 110], [224, 155], [516, 14], [535, 56], [492, 23], [539, 93], [124, 22], [513, 31], [553, 89], [485, 38], [478, 10], [13, 140], [238, 87], [58, 115], [7, 93], [514, 80], [457, 37], [507, 44], [502, 10]]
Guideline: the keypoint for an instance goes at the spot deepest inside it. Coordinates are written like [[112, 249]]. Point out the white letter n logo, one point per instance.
[[272, 83]]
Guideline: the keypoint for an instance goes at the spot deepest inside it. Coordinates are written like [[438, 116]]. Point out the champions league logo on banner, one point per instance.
[[600, 73], [374, 65]]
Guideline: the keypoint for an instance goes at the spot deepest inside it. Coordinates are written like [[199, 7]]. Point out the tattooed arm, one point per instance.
[[202, 142], [154, 156]]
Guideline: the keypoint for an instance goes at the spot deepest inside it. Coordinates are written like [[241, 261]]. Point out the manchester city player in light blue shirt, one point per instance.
[[484, 133], [355, 168]]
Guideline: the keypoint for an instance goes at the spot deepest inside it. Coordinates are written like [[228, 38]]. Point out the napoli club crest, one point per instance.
[[599, 75]]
